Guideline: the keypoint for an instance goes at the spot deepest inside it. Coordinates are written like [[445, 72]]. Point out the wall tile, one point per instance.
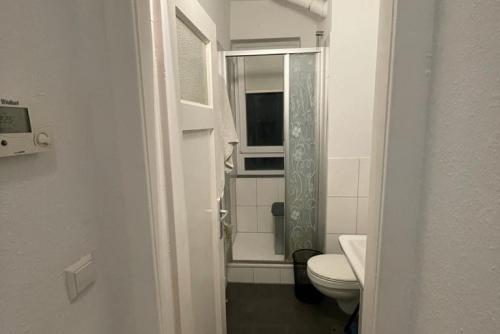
[[246, 191], [264, 219], [281, 189], [240, 275], [286, 276], [247, 218], [332, 244], [343, 177], [362, 216], [267, 191], [341, 215], [267, 275], [234, 219], [364, 177]]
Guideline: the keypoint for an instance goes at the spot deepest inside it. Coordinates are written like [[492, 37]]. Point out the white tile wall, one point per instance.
[[341, 215], [267, 191], [333, 244], [254, 197], [362, 216], [281, 189], [267, 275], [259, 273], [241, 275], [364, 177], [247, 218], [286, 276], [264, 219], [246, 191], [347, 202], [343, 177], [233, 208]]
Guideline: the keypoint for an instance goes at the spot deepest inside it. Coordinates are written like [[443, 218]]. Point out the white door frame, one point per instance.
[[199, 119], [401, 99], [164, 163], [155, 25], [405, 44]]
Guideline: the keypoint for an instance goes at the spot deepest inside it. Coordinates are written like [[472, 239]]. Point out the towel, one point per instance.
[[226, 135]]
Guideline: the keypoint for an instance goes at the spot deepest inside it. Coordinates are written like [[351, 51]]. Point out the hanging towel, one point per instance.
[[228, 129], [225, 133]]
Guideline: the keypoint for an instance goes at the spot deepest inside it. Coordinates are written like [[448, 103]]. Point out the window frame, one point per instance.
[[242, 117], [243, 171]]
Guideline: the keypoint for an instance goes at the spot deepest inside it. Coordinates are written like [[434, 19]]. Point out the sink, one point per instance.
[[354, 247]]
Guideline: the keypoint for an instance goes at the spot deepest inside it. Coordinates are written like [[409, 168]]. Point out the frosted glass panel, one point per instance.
[[302, 156], [192, 65]]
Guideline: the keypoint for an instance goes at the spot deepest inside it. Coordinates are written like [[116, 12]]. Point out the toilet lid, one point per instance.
[[331, 267]]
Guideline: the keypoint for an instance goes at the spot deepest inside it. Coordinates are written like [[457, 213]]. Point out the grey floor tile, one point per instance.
[[268, 308]]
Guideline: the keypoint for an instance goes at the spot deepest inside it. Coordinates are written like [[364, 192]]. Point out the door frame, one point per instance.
[[404, 60], [155, 41], [201, 118], [163, 156], [404, 49]]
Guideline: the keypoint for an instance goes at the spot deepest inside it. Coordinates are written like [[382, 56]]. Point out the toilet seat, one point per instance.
[[332, 271]]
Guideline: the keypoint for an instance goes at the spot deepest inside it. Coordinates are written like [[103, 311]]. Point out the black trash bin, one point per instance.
[[304, 290]]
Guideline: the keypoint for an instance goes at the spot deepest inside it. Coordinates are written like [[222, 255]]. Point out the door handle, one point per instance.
[[223, 214]]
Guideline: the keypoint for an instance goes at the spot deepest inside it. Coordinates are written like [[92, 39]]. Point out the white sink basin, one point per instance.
[[354, 247]]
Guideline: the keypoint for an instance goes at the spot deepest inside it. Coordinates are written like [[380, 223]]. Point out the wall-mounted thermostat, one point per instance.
[[19, 132]]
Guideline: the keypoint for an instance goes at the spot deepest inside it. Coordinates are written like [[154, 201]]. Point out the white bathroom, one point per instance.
[[269, 178], [249, 166]]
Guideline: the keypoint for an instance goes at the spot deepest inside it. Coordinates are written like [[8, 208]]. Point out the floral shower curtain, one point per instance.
[[301, 202]]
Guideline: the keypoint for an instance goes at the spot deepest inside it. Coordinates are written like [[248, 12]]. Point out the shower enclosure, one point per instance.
[[278, 184]]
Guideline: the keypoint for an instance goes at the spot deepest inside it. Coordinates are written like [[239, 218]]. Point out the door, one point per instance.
[[196, 57]]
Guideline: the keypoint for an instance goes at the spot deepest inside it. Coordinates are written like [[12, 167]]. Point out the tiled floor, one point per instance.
[[255, 247], [268, 308]]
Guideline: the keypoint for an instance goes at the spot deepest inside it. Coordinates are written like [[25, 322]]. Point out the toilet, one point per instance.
[[332, 275]]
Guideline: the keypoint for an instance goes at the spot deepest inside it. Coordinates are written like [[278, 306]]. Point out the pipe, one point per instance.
[[318, 7]]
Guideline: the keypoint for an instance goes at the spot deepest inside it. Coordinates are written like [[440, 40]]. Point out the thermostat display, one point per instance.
[[14, 120], [19, 132]]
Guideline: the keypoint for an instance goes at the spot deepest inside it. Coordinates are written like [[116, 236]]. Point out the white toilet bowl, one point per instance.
[[332, 275]]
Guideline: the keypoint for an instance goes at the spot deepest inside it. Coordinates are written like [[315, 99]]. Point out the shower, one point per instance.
[[275, 190]]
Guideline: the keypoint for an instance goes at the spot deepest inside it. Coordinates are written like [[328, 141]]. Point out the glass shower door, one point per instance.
[[302, 153]]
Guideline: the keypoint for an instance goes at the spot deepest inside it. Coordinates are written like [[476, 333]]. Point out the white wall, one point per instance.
[[458, 247], [260, 19], [75, 61], [263, 73], [351, 82], [219, 11], [254, 198], [352, 77]]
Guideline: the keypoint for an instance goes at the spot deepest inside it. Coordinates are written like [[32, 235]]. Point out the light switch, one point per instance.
[[79, 276]]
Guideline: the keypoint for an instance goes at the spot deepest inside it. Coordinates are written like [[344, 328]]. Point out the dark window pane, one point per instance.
[[272, 163], [264, 119]]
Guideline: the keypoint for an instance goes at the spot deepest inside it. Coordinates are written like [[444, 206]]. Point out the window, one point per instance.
[[193, 67], [264, 119], [259, 82], [263, 163]]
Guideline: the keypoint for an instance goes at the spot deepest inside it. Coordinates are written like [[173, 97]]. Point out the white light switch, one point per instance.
[[79, 276]]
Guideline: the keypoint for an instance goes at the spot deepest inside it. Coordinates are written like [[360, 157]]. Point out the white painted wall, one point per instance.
[[76, 61], [351, 84], [352, 77], [263, 73], [458, 246], [260, 19], [219, 11]]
